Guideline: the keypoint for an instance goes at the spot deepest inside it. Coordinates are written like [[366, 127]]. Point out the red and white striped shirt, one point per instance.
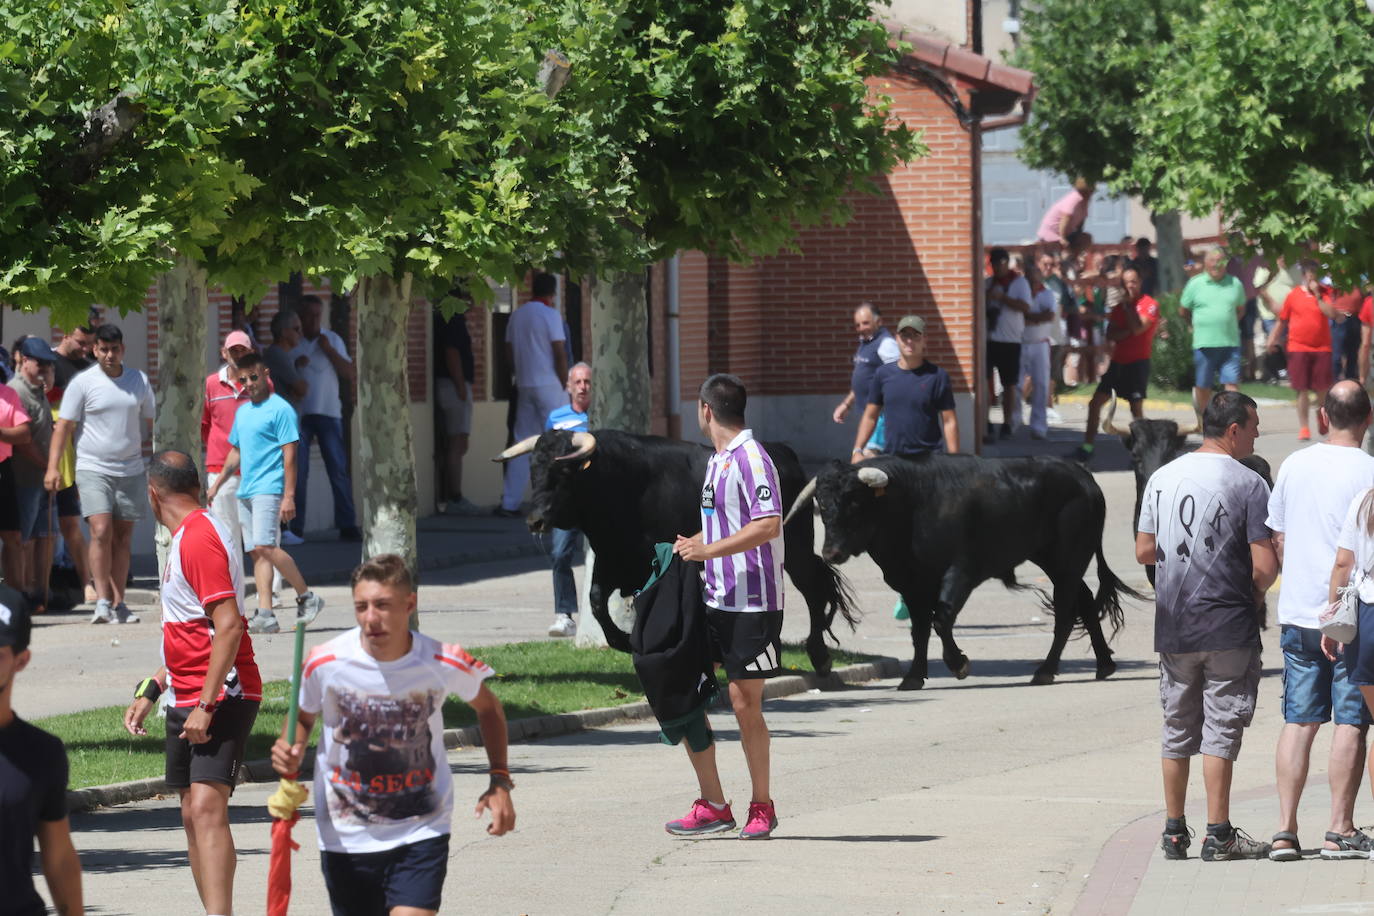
[[202, 568]]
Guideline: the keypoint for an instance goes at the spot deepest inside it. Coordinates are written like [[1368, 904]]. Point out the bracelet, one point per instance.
[[148, 689], [857, 451], [208, 707], [502, 778]]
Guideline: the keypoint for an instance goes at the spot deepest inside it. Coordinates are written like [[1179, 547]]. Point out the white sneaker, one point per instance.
[[264, 623], [290, 538], [104, 612], [308, 607], [124, 615], [1054, 416], [563, 625]]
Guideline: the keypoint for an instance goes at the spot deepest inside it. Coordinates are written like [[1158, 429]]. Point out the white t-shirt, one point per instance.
[[110, 412], [381, 774], [1310, 501], [1355, 537], [888, 350], [533, 330], [323, 396], [1045, 302], [1011, 324]]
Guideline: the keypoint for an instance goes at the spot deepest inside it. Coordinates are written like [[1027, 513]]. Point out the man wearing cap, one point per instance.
[[33, 788], [37, 516], [223, 397], [916, 397]]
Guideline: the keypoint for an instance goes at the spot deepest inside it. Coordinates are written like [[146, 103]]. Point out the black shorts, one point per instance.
[[748, 644], [68, 502], [9, 502], [217, 760], [371, 883], [1128, 380], [1005, 360]]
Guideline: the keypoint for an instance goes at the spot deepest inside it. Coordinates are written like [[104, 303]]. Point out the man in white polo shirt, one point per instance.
[[110, 408]]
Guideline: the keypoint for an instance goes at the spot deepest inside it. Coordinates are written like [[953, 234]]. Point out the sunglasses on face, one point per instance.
[[250, 376]]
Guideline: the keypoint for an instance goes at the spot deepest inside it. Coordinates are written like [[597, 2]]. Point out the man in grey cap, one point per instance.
[[37, 516], [916, 397], [33, 787]]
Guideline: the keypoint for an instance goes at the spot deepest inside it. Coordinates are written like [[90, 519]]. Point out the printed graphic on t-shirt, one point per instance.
[[381, 763]]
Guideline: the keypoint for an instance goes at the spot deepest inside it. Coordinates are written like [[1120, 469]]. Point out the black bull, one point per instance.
[[627, 493], [939, 525]]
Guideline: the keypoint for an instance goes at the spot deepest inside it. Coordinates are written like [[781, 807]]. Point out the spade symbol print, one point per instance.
[[1183, 551], [1211, 544]]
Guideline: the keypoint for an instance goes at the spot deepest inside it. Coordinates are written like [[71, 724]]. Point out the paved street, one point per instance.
[[978, 796]]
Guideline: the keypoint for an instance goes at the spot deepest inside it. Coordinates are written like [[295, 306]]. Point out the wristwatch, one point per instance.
[[208, 707]]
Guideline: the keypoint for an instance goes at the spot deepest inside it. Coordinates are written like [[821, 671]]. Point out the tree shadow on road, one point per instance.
[[123, 859]]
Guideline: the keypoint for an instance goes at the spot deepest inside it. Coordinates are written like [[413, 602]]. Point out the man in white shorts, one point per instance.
[[109, 408], [263, 445]]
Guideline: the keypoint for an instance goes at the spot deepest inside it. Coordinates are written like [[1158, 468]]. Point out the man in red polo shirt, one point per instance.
[[1306, 314], [1131, 326], [223, 397]]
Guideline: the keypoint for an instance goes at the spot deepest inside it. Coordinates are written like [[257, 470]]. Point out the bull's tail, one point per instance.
[[838, 595], [1110, 590]]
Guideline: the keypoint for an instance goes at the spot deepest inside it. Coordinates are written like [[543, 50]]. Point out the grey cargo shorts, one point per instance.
[[1208, 699]]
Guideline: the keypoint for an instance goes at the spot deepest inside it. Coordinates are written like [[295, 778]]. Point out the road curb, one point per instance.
[[528, 729], [445, 561]]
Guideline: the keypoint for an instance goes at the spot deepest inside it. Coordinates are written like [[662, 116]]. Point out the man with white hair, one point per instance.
[[1213, 304], [571, 416]]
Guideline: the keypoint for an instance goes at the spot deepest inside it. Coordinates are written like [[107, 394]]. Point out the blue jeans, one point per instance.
[[329, 430], [1345, 349], [565, 543]]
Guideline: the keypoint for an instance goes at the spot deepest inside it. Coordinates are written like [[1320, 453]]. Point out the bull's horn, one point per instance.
[[585, 444], [1111, 428], [803, 498], [518, 449], [1195, 428], [873, 477]]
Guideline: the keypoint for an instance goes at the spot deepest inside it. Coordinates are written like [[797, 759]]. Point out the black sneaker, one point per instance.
[[1240, 846], [1005, 431], [1175, 845], [1081, 455], [499, 512], [990, 436]]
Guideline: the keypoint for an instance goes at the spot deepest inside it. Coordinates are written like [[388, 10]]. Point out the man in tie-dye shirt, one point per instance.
[[740, 548]]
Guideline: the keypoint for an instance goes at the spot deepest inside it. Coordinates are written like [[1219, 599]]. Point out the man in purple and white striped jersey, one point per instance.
[[740, 548]]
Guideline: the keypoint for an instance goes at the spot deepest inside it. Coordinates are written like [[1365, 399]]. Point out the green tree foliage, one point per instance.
[[1263, 111], [108, 148], [1095, 62]]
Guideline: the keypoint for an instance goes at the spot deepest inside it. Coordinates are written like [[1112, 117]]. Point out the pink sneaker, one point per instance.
[[763, 817], [701, 820]]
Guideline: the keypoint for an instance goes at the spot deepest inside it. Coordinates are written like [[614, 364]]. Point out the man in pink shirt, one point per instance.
[[14, 430], [1068, 214], [223, 397]]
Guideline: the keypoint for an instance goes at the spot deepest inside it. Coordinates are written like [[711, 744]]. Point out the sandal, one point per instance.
[[1355, 846], [1287, 853]]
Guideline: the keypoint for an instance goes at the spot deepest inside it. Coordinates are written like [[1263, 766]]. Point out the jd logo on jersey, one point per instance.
[[763, 493]]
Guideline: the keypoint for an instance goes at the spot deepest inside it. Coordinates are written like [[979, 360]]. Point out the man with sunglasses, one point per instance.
[[263, 444]]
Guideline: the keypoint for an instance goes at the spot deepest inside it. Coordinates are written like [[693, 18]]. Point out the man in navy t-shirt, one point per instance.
[[915, 396]]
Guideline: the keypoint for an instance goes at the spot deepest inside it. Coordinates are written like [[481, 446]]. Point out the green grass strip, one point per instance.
[[532, 679]]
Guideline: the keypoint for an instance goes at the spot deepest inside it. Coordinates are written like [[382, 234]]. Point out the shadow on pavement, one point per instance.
[[124, 818], [109, 861]]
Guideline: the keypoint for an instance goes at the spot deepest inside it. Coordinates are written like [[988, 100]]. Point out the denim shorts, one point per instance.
[[260, 519], [37, 515], [1314, 687], [1209, 362], [1359, 652]]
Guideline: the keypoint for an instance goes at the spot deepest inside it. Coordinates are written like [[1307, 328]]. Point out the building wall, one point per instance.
[[784, 324]]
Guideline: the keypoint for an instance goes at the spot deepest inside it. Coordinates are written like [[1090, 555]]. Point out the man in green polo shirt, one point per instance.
[[1213, 304]]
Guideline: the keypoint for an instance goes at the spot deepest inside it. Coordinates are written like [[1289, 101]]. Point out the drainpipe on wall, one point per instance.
[[674, 373]]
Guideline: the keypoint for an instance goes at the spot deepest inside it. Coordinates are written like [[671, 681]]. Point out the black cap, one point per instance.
[[37, 348], [15, 624]]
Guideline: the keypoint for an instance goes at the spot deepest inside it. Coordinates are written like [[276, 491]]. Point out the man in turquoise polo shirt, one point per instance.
[[1213, 304]]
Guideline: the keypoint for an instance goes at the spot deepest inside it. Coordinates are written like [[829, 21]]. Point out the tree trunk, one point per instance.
[[1169, 248], [182, 306], [621, 397], [387, 450]]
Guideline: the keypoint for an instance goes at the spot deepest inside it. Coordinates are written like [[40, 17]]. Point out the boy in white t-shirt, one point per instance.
[[383, 789]]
